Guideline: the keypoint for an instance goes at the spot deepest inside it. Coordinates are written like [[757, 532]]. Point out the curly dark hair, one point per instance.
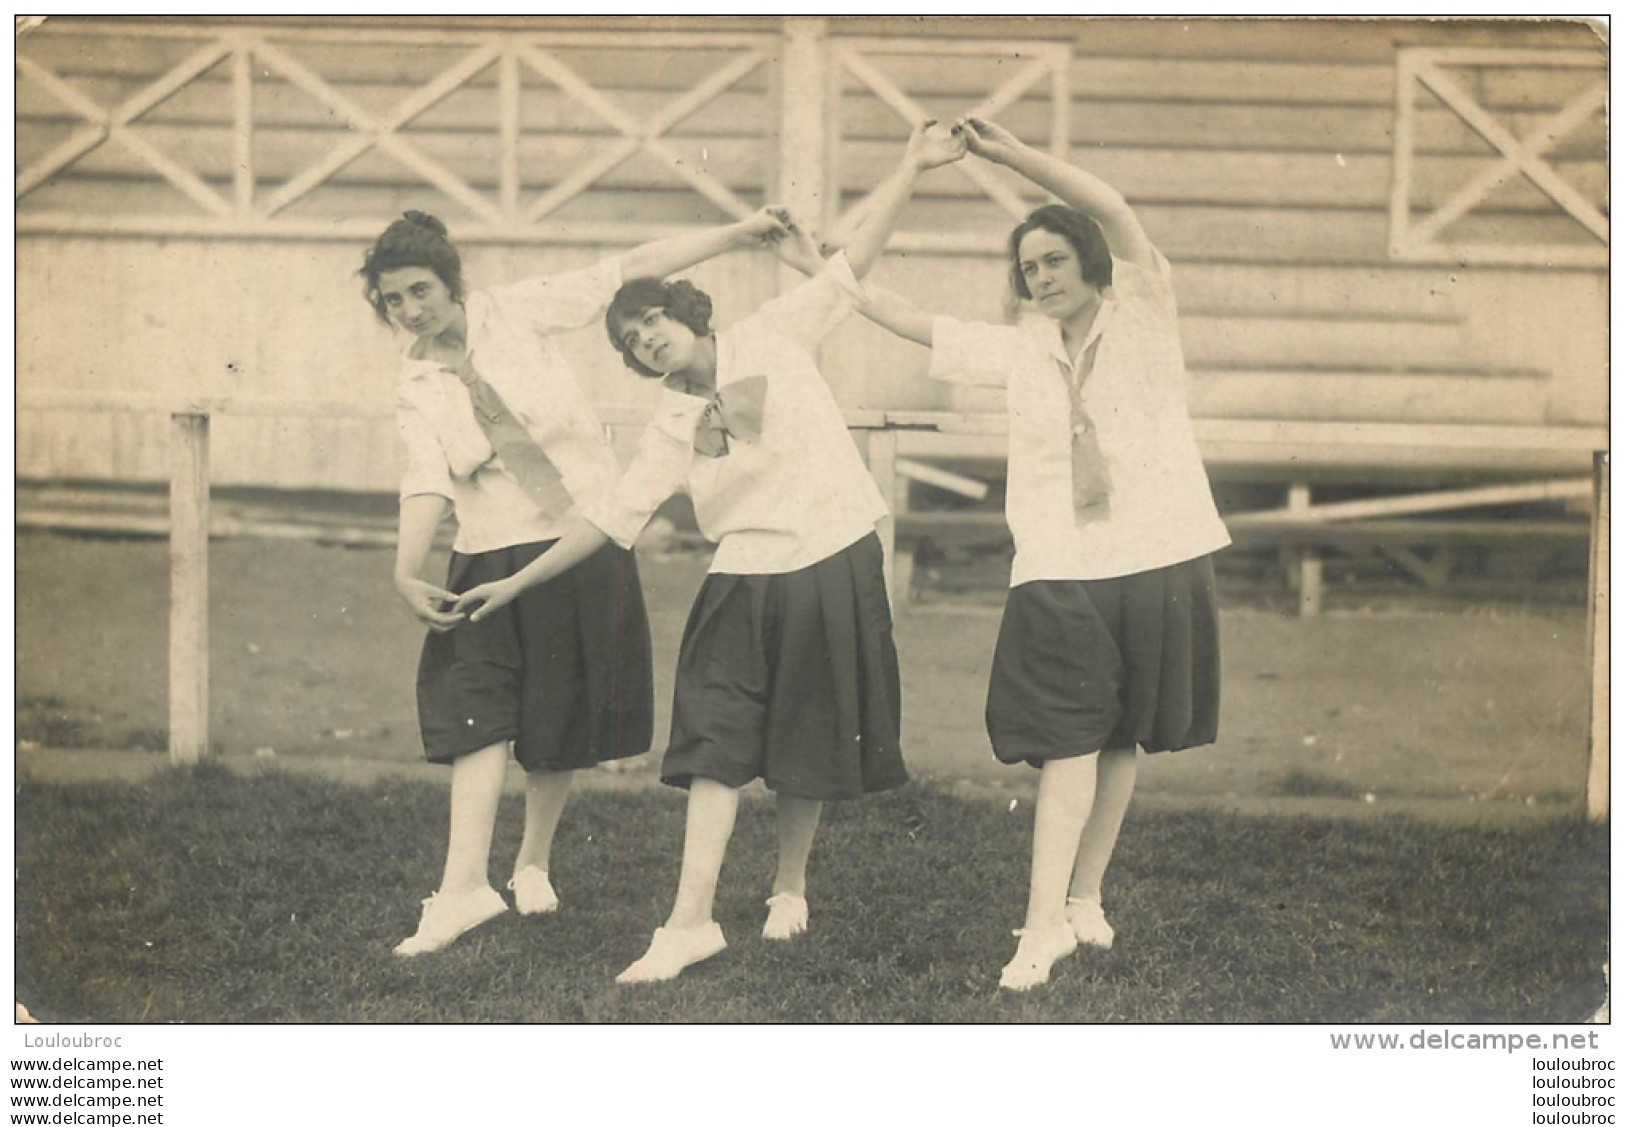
[[1082, 232], [683, 301], [417, 239]]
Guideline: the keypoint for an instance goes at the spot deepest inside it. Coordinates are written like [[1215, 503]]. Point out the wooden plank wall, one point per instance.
[[1258, 152]]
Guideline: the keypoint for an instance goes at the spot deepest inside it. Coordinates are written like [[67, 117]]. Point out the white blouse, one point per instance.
[[1161, 506], [793, 496], [509, 336]]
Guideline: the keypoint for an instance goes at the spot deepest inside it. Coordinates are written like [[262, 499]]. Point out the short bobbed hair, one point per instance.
[[684, 301], [417, 239], [1082, 232]]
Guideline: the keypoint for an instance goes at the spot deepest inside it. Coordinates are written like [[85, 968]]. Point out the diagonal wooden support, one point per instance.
[[637, 135], [1564, 194], [911, 111], [109, 125], [1541, 140], [380, 133]]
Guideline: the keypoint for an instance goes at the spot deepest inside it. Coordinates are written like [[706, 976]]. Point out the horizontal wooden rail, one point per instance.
[[189, 519]]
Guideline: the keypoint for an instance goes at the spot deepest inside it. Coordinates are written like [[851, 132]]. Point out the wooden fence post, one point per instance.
[[1303, 560], [1597, 635], [883, 468], [188, 587]]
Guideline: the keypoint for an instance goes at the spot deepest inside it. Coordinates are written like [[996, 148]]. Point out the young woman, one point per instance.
[[1109, 639], [787, 670], [498, 432]]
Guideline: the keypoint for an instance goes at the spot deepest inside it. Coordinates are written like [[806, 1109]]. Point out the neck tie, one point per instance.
[[734, 411], [521, 457], [1091, 477]]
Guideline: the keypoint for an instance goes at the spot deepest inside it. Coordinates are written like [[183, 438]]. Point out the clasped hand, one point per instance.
[[480, 602]]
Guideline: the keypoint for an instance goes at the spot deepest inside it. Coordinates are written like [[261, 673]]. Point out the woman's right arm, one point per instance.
[[420, 518]]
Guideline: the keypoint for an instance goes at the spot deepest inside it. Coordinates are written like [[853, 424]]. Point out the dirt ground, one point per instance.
[[313, 658]]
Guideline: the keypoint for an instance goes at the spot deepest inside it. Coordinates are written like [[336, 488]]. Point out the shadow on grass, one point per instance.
[[203, 896]]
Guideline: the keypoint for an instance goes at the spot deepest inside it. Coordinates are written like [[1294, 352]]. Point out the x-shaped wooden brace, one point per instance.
[[1520, 155], [381, 133], [113, 125], [1011, 91], [637, 135]]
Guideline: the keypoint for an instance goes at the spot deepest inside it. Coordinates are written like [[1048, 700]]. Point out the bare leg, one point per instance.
[[476, 788], [1115, 786], [712, 808], [1066, 791], [797, 825], [546, 792]]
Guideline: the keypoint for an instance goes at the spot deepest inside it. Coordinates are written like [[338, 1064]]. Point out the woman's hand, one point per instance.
[[480, 602], [795, 245], [987, 139], [932, 145], [426, 602], [765, 227]]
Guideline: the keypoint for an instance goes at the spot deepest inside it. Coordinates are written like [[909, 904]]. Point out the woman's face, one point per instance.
[[1054, 275], [658, 341], [418, 301]]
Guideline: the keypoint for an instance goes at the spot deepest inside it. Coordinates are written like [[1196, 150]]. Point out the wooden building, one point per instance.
[[1371, 221]]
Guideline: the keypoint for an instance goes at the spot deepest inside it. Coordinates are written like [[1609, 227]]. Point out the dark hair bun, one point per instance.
[[427, 222]]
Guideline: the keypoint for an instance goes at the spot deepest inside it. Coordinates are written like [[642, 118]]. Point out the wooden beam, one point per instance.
[[1433, 502], [804, 152], [1597, 632], [508, 104], [242, 128], [942, 479], [189, 587], [883, 468], [1399, 194]]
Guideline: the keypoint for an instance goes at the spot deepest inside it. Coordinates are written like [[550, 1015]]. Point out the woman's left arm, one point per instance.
[[1078, 188]]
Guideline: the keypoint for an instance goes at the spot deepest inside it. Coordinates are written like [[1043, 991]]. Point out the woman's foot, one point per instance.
[[447, 915], [1037, 952], [532, 892], [673, 950], [786, 915], [1088, 922]]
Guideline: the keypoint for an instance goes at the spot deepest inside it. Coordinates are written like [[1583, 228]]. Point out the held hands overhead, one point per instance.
[[987, 139], [930, 145]]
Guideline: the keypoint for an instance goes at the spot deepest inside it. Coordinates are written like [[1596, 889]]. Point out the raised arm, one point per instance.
[[668, 256], [798, 250], [929, 146], [1082, 190]]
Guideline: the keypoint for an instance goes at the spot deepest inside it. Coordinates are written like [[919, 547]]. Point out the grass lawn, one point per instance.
[[204, 896]]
